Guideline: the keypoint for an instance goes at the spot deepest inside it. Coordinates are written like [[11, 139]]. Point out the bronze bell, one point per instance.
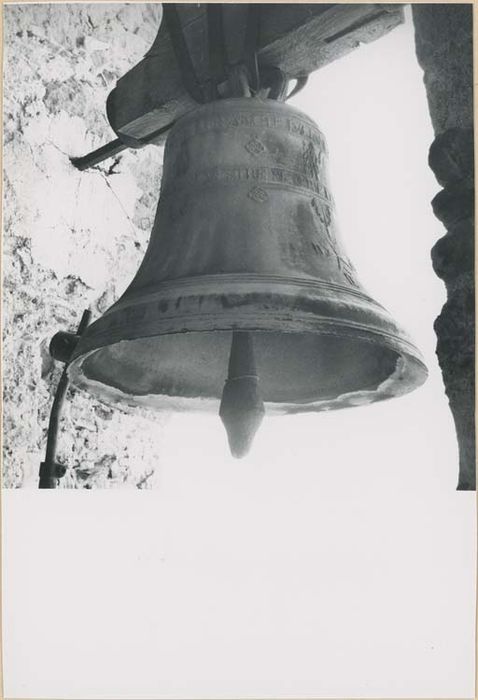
[[245, 250]]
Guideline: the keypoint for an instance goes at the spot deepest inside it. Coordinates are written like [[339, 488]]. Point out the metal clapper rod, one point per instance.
[[242, 407]]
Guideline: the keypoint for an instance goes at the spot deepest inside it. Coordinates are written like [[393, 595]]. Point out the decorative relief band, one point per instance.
[[250, 120], [258, 195], [235, 175], [234, 282]]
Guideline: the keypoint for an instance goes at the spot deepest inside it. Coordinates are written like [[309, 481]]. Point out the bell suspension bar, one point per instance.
[[246, 78]]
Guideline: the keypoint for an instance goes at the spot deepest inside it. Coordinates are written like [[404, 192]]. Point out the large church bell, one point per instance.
[[246, 301]]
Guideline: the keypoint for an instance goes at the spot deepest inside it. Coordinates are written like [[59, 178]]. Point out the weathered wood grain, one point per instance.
[[297, 38]]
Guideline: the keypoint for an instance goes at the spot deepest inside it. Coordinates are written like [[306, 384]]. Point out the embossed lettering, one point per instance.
[[348, 270], [230, 175], [311, 160], [293, 125]]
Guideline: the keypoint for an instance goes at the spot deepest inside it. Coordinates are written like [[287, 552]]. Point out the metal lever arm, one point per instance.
[[50, 470]]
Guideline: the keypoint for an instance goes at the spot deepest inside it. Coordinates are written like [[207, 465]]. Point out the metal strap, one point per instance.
[[301, 82], [245, 79], [50, 470], [181, 51], [218, 59], [251, 44]]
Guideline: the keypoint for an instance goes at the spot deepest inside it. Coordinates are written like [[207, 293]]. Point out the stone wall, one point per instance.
[[71, 239], [444, 43]]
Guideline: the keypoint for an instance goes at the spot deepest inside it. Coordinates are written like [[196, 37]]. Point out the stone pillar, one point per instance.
[[444, 41]]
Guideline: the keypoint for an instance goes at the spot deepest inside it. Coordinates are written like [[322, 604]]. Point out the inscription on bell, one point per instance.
[[231, 175], [295, 126], [323, 212], [347, 269], [311, 161], [301, 128]]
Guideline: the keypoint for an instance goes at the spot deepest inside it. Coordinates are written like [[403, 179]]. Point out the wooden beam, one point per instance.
[[297, 38]]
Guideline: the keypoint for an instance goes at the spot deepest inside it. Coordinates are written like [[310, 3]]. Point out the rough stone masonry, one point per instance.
[[444, 43], [71, 239]]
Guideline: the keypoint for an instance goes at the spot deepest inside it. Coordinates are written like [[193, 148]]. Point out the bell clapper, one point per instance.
[[242, 407]]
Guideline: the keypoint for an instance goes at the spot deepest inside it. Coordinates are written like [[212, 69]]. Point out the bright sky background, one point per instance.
[[337, 560]]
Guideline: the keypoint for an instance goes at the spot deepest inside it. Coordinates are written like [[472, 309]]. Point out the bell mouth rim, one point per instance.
[[393, 342], [322, 326], [410, 373]]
